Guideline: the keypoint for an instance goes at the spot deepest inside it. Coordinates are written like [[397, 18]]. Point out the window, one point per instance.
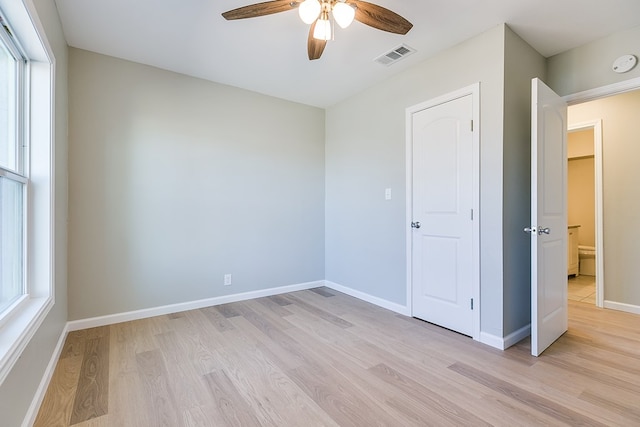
[[11, 242], [13, 181], [27, 204]]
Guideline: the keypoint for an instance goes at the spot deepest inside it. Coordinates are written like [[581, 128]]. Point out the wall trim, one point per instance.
[[506, 342], [621, 306], [603, 91], [516, 336], [398, 308], [492, 340], [109, 319], [38, 397]]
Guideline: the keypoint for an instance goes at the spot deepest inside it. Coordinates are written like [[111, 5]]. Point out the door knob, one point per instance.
[[544, 230], [415, 224]]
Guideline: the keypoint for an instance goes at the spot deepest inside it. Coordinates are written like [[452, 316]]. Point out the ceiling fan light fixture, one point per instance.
[[343, 13], [318, 14], [323, 28], [309, 10]]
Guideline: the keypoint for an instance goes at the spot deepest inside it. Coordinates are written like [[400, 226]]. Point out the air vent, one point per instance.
[[394, 55]]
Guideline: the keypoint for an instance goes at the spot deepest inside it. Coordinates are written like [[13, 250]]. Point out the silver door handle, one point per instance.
[[415, 224], [530, 230], [544, 231]]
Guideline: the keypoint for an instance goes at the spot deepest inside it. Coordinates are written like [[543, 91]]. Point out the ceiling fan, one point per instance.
[[318, 13]]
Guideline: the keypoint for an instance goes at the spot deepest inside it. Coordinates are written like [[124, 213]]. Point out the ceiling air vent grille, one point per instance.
[[394, 55]]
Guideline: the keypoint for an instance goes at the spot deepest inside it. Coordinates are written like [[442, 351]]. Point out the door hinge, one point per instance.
[[471, 303], [471, 125], [471, 214]]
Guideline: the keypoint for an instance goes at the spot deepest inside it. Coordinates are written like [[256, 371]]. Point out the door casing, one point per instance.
[[474, 91]]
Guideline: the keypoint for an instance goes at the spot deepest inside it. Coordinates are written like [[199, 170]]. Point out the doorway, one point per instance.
[[584, 200], [617, 107]]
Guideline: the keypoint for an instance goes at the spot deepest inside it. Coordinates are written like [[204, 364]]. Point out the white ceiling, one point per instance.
[[268, 54]]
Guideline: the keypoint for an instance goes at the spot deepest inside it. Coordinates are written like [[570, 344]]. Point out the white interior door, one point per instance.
[[548, 217], [442, 241]]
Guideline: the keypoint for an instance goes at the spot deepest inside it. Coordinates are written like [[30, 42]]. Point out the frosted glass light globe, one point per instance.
[[343, 14], [309, 10], [322, 30]]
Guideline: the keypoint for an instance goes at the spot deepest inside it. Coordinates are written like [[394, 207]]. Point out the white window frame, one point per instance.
[[20, 172], [38, 126], [6, 314]]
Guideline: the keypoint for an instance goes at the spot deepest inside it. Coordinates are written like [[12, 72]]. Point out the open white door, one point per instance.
[[548, 217]]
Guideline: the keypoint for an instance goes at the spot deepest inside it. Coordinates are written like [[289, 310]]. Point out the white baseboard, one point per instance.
[[110, 319], [516, 336], [32, 412], [629, 308], [506, 342], [492, 340], [401, 309]]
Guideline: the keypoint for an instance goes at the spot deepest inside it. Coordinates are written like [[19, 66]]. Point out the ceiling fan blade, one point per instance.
[[260, 9], [315, 47], [378, 17]]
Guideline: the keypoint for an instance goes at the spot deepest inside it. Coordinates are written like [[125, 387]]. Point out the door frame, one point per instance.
[[474, 91], [596, 126], [602, 91], [579, 98]]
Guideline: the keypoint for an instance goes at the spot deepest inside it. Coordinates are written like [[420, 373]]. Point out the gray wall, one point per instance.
[[621, 197], [365, 153], [19, 388], [589, 66], [176, 181], [522, 63]]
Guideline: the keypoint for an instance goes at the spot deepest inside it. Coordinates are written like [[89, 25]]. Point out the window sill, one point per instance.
[[18, 331]]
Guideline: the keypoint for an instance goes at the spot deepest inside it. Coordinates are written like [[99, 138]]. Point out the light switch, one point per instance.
[[387, 194]]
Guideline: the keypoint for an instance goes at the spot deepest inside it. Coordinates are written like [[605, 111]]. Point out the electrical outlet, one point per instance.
[[227, 280], [387, 194]]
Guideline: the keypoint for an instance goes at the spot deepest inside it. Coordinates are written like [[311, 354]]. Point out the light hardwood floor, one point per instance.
[[321, 358]]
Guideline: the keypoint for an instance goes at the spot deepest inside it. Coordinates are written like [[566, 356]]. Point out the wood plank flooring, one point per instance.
[[322, 358]]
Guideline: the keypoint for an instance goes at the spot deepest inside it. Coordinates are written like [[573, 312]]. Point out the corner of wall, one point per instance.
[[522, 63]]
